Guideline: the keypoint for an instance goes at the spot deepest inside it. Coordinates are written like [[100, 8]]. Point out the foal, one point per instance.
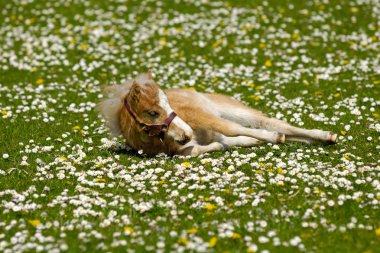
[[186, 122]]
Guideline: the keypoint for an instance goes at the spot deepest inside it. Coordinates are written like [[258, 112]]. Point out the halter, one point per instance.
[[152, 130]]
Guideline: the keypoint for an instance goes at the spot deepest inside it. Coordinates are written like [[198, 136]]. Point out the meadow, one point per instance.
[[67, 186]]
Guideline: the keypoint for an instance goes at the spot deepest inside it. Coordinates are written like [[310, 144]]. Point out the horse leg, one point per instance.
[[229, 128], [294, 133], [241, 141], [194, 149], [235, 111]]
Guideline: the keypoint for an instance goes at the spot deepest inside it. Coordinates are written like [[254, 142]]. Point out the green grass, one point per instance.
[[312, 64]]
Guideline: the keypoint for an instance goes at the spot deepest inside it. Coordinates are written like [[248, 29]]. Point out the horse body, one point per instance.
[[204, 122]]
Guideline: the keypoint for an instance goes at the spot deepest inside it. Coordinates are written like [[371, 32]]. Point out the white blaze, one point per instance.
[[164, 103]]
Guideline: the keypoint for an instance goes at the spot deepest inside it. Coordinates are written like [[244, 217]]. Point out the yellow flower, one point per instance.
[[250, 191], [354, 9], [216, 44], [4, 112], [210, 207], [186, 164], [163, 42], [377, 232], [280, 183], [347, 157], [295, 36], [268, 63], [100, 180], [40, 81], [183, 241], [84, 46], [62, 159], [76, 128], [128, 230], [192, 230], [254, 97], [34, 223], [213, 241], [337, 95], [343, 132], [236, 236]]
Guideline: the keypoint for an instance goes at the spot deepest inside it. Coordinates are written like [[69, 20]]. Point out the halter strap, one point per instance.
[[152, 130]]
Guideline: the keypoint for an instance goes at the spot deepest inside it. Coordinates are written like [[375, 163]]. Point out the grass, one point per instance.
[[65, 185]]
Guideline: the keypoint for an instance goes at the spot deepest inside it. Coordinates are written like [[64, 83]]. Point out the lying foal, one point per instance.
[[186, 122]]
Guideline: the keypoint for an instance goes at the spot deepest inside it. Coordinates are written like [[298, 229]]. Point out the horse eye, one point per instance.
[[153, 113]]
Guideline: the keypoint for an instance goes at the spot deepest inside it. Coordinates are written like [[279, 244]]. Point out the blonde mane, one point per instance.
[[112, 102]]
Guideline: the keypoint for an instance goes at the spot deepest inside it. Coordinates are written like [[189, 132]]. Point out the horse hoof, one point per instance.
[[280, 138], [332, 137]]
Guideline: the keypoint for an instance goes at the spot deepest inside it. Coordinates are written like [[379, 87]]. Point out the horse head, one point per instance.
[[149, 107]]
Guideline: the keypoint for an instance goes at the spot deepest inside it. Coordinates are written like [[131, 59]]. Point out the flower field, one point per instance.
[[67, 186]]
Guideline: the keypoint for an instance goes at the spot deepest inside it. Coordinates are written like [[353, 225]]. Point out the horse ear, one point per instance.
[[135, 90]]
